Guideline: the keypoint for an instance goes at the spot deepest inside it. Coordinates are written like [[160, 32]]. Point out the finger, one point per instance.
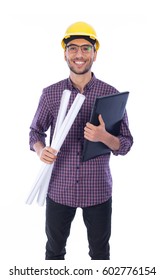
[[101, 120], [87, 129], [89, 133], [87, 136], [51, 151], [90, 126], [48, 157]]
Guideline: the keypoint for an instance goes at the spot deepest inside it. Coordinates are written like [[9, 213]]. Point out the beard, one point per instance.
[[76, 71]]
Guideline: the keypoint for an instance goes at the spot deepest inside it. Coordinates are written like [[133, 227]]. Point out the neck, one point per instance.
[[80, 81]]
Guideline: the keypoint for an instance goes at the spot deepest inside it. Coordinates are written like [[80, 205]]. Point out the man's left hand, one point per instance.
[[95, 133]]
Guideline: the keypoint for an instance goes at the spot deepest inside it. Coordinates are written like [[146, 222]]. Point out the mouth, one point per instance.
[[79, 63]]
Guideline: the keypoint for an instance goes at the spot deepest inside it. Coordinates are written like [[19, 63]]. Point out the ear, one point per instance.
[[95, 56], [65, 57]]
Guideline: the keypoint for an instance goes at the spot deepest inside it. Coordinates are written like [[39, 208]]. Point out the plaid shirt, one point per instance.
[[73, 182]]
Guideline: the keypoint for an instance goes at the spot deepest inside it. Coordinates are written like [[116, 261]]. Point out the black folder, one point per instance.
[[112, 109]]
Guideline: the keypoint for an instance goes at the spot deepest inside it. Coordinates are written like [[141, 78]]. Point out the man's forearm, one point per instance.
[[111, 141]]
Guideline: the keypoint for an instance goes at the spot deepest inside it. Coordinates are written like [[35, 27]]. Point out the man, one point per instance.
[[75, 183]]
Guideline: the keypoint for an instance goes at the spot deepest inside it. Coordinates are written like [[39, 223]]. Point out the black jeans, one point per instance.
[[58, 223]]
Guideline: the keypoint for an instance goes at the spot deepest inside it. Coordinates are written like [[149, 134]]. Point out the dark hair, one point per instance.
[[73, 37]]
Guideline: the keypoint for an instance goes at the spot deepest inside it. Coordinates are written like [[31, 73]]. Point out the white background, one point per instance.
[[130, 58]]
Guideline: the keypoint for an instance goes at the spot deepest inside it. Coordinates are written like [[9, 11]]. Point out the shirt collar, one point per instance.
[[87, 87]]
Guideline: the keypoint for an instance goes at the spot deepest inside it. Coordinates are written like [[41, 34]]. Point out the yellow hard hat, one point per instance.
[[81, 29]]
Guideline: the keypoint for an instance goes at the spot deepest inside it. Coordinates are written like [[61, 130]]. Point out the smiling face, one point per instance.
[[80, 62]]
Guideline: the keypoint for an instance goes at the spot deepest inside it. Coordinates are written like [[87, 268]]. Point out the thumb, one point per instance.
[[101, 120]]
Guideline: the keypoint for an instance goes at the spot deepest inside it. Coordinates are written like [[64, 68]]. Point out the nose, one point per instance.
[[79, 53]]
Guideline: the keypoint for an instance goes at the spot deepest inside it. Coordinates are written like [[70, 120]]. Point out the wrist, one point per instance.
[[38, 147], [111, 141]]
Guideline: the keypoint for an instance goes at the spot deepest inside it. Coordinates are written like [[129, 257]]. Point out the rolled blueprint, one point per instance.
[[62, 110], [44, 185], [46, 168], [44, 171], [68, 121], [63, 125], [58, 141]]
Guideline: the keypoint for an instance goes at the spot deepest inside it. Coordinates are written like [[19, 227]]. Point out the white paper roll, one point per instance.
[[45, 167], [58, 141], [62, 110], [44, 186], [68, 121], [62, 128], [42, 173]]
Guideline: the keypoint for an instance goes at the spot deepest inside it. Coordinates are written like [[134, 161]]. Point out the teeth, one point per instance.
[[79, 62]]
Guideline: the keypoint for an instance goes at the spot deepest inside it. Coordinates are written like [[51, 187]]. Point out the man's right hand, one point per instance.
[[48, 155]]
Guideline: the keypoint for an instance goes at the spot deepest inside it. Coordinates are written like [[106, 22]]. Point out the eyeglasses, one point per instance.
[[84, 48]]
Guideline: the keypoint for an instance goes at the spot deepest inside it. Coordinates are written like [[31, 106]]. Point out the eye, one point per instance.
[[72, 48], [86, 48]]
